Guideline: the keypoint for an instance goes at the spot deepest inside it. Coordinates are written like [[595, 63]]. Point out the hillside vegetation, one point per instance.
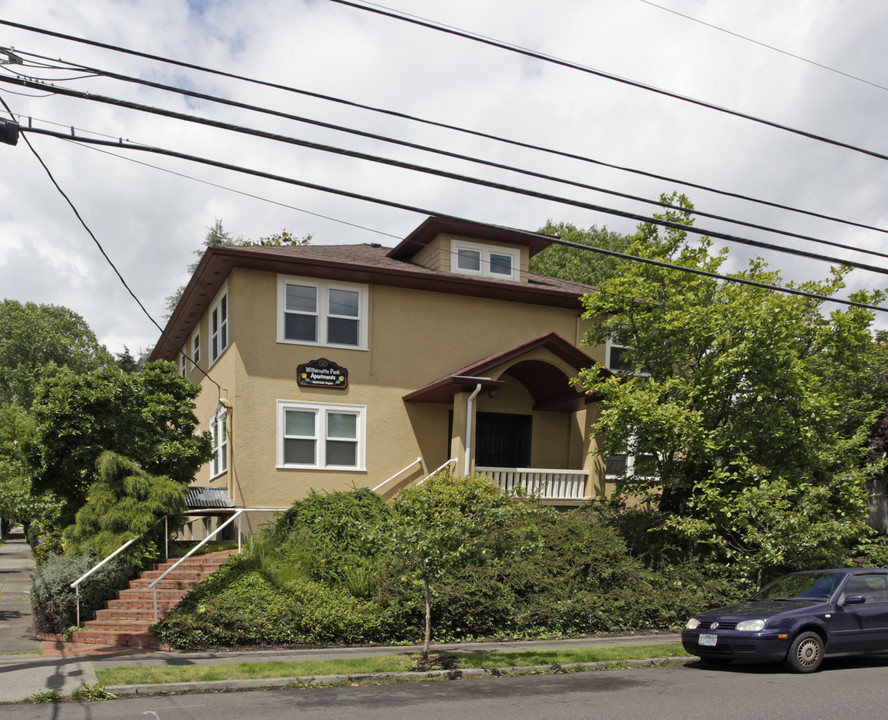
[[340, 568]]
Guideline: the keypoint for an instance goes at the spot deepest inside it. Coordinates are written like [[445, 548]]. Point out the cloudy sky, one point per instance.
[[817, 66]]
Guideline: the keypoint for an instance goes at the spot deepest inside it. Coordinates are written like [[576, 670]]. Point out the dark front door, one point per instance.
[[502, 440]]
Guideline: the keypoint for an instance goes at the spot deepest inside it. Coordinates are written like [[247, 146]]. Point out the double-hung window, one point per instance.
[[617, 358], [321, 436], [484, 261], [195, 349], [219, 436], [219, 327], [313, 312]]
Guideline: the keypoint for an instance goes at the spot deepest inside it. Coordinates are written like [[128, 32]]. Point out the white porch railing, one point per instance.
[[548, 484]]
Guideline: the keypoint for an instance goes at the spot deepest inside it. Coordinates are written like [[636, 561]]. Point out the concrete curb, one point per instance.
[[321, 680]]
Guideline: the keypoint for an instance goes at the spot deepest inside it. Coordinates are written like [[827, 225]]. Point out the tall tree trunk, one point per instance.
[[428, 621]]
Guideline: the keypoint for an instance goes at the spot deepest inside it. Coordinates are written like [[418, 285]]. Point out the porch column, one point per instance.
[[458, 440], [593, 464]]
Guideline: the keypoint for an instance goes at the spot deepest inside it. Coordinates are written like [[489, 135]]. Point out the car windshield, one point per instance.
[[808, 587]]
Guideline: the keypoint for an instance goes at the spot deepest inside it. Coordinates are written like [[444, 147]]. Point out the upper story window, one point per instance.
[[317, 312], [484, 260], [195, 349], [183, 367], [219, 327]]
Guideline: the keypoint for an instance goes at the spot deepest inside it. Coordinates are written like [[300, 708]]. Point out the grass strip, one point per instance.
[[142, 675]]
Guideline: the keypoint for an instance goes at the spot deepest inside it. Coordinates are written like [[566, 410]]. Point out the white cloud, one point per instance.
[[150, 222]]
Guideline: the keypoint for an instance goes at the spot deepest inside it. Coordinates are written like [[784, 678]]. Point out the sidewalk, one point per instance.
[[24, 672], [21, 676]]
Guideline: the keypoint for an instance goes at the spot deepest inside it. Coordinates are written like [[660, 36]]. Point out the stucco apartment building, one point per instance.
[[341, 366]]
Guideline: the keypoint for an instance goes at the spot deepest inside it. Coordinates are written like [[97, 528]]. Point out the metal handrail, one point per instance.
[[386, 482], [76, 583], [153, 585], [436, 470]]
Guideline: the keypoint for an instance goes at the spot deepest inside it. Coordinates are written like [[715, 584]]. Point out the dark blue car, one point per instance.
[[799, 619]]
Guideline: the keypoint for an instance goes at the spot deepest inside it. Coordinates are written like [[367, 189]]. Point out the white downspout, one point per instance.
[[469, 415]]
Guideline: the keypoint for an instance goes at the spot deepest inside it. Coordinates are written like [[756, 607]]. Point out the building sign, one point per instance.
[[322, 373]]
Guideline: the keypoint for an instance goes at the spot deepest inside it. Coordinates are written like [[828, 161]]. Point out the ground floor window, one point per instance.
[[219, 434], [321, 436]]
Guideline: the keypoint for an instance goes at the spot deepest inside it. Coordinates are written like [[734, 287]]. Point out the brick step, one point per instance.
[[122, 626], [129, 613], [133, 625], [124, 638], [173, 580]]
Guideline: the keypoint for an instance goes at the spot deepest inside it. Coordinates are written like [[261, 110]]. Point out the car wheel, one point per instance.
[[805, 654]]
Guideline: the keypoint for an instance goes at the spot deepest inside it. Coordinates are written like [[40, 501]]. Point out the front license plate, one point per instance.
[[708, 640]]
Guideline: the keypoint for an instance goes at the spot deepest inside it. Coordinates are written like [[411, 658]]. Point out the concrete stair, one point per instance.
[[122, 626]]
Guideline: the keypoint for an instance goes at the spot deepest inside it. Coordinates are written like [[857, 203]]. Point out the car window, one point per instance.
[[808, 587], [874, 588]]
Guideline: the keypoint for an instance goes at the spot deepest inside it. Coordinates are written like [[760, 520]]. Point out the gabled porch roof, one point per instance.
[[545, 382]]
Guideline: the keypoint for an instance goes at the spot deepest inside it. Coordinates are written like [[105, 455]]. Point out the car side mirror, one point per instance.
[[854, 600]]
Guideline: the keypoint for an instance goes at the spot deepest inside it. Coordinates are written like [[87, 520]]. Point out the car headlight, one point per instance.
[[751, 625], [693, 624]]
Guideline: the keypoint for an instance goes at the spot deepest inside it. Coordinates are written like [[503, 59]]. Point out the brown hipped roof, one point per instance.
[[367, 263]]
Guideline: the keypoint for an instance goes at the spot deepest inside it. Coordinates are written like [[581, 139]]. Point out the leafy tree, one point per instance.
[[125, 502], [447, 523], [755, 404], [217, 236], [37, 342], [578, 265], [148, 418]]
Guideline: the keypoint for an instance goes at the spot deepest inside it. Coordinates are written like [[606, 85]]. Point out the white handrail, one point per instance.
[[153, 585], [386, 482], [76, 583], [436, 470]]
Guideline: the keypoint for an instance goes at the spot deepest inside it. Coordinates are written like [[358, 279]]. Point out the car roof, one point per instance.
[[843, 571]]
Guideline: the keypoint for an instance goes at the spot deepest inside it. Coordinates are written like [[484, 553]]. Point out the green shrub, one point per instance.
[[54, 602]]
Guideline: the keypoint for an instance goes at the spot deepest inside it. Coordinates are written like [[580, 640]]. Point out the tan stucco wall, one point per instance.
[[415, 337]]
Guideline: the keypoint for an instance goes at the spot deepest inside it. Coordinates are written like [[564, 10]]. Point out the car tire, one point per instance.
[[805, 653]]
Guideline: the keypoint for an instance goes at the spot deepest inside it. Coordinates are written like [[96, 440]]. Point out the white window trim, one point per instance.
[[323, 287], [219, 461], [194, 356], [222, 296], [610, 345], [485, 251], [321, 409]]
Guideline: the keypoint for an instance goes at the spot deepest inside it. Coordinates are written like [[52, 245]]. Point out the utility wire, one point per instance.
[[426, 211], [415, 146], [446, 174], [102, 249], [414, 20], [765, 45], [432, 123], [235, 190]]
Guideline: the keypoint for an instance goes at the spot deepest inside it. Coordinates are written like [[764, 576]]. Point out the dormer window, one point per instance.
[[484, 260]]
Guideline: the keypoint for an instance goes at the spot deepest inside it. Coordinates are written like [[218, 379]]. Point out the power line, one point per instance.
[[86, 146], [425, 211], [374, 136], [99, 246], [765, 45], [414, 20], [433, 123], [447, 175]]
